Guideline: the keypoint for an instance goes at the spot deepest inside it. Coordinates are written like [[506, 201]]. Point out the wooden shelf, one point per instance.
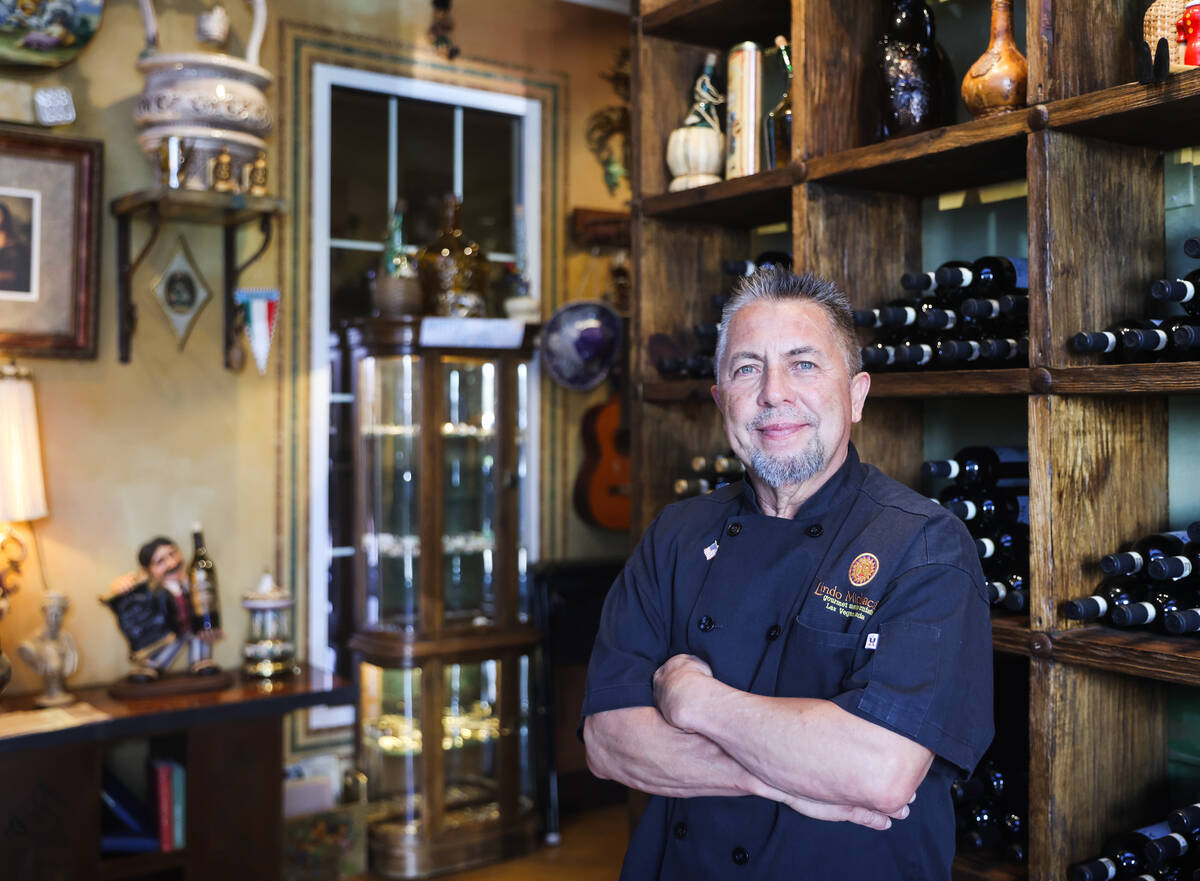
[[198, 206], [247, 699], [678, 391], [754, 200], [950, 383], [970, 154], [113, 868], [1119, 379], [1165, 116], [1010, 633], [973, 867], [719, 23], [1141, 653]]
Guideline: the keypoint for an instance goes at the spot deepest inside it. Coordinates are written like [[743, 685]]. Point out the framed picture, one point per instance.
[[49, 243]]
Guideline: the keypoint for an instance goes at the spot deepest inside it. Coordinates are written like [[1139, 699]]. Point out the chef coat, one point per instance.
[[872, 597]]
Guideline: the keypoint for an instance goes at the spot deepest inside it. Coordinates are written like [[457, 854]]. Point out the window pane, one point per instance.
[[426, 163], [358, 136], [490, 149], [349, 283]]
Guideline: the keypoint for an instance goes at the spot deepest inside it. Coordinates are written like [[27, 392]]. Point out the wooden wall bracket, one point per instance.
[[228, 210]]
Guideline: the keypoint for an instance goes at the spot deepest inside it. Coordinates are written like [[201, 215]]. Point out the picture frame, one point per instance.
[[50, 192]]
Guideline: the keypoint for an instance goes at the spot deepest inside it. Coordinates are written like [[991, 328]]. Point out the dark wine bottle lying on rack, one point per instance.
[[1185, 564], [927, 281], [1142, 552], [988, 277], [749, 267], [1114, 591], [1161, 600], [1005, 306], [1123, 856], [1179, 290], [1107, 342], [982, 466]]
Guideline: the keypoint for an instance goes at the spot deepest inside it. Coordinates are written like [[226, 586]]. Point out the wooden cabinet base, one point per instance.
[[395, 854]]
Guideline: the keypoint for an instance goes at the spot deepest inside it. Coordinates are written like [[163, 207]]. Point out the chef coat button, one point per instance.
[[706, 623], [734, 528], [773, 632], [740, 856], [815, 531], [681, 830]]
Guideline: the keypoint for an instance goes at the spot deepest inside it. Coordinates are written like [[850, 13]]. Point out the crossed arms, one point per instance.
[[705, 738]]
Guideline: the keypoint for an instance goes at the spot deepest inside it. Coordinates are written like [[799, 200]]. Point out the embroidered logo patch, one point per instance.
[[863, 569], [872, 641]]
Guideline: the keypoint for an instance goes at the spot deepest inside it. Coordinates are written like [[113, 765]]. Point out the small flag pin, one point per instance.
[[711, 550]]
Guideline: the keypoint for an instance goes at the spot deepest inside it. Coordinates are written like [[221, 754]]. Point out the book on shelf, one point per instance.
[[161, 784], [178, 805]]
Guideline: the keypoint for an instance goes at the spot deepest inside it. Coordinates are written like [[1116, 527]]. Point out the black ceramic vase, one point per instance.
[[914, 72]]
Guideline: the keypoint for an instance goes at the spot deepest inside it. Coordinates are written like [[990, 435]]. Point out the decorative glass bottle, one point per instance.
[[912, 66], [696, 150], [397, 288], [996, 82], [778, 135], [453, 270]]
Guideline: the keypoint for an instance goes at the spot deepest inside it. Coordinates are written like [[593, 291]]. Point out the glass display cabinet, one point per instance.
[[444, 478]]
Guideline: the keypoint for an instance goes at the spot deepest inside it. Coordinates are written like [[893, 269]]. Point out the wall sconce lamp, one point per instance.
[[22, 492]]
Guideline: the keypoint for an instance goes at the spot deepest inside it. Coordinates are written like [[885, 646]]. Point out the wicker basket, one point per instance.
[[1160, 22]]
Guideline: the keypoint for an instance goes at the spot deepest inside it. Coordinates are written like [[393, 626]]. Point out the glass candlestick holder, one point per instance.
[[269, 649]]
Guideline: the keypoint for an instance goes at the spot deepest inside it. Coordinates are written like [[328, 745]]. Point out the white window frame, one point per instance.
[[324, 78]]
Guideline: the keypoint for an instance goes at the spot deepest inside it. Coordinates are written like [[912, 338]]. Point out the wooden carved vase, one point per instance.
[[996, 82]]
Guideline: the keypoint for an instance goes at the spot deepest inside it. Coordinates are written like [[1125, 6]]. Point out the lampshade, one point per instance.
[[22, 493]]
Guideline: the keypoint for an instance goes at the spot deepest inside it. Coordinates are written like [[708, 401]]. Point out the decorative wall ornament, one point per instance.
[[181, 291], [612, 122], [46, 33], [440, 30], [260, 306]]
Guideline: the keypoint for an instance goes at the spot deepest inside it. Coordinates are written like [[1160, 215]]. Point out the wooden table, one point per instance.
[[230, 743]]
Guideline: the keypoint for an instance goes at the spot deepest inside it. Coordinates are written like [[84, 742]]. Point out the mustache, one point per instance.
[[782, 414]]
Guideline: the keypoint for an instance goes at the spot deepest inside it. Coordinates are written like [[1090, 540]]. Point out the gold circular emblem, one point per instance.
[[863, 569]]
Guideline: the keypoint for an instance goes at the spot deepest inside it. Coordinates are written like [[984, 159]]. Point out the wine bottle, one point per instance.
[[912, 71], [202, 578], [988, 277], [1107, 342], [1191, 247], [1114, 591], [985, 308], [749, 267], [778, 122], [987, 782], [927, 281], [962, 350], [1193, 531], [1161, 599], [1016, 592], [982, 466], [1179, 290], [878, 356], [1186, 338], [1185, 564], [1123, 856], [868, 318], [694, 486], [706, 337], [1004, 349], [1171, 846], [1139, 555], [986, 506], [1184, 819], [1010, 538], [1155, 343]]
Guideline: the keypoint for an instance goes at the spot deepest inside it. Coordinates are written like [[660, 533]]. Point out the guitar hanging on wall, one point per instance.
[[582, 345]]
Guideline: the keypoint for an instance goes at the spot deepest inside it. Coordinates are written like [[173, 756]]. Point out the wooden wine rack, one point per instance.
[[1090, 147]]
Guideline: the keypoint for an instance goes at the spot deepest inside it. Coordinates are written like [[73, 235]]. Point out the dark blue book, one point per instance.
[[128, 843], [130, 814]]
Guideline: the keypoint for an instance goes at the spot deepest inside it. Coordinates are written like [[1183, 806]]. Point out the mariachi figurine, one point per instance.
[[154, 611], [1188, 30]]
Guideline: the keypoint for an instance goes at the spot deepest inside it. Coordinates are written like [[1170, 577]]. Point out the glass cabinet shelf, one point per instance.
[[445, 527]]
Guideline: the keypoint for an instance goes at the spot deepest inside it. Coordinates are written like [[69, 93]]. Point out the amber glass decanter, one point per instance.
[[453, 270]]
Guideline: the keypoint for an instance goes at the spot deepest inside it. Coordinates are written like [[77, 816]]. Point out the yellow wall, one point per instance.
[[134, 450]]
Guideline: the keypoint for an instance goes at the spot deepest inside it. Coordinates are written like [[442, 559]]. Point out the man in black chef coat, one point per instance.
[[795, 665]]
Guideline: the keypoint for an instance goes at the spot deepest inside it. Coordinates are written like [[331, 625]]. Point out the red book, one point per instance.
[[164, 803]]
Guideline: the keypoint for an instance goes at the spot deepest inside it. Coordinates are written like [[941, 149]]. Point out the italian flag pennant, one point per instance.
[[259, 308]]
